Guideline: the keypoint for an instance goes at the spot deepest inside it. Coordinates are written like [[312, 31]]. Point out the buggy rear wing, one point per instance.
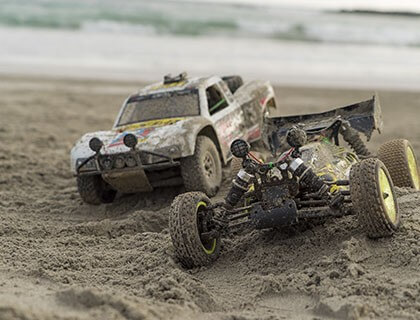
[[364, 117]]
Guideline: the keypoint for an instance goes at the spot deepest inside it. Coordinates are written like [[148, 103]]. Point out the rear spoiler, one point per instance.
[[364, 117]]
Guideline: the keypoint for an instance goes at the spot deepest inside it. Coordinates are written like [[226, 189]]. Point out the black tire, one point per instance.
[[94, 190], [373, 198], [233, 82], [185, 226], [203, 170], [399, 157]]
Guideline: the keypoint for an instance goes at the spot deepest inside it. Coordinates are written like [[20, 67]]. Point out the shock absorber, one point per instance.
[[240, 185], [352, 137], [307, 177]]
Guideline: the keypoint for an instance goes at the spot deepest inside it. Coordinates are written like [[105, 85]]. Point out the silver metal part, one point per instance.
[[243, 175], [295, 164], [283, 166]]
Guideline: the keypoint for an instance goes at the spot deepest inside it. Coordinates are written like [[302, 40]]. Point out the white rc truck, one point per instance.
[[170, 133]]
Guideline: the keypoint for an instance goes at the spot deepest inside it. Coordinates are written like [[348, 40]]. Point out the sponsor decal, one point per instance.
[[142, 130], [168, 85], [229, 128], [141, 135], [150, 123]]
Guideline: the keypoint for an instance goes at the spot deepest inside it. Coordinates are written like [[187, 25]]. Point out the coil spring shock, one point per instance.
[[352, 137], [314, 183], [239, 186], [307, 177]]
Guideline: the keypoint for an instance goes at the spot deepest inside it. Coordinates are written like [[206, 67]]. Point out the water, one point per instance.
[[199, 18], [304, 42]]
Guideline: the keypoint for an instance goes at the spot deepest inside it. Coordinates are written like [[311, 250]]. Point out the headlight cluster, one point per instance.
[[89, 166], [117, 161]]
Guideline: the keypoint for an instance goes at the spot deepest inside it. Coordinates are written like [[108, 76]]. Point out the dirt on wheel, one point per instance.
[[63, 259]]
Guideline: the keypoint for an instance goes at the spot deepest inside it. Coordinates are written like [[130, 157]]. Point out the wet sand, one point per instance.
[[63, 259]]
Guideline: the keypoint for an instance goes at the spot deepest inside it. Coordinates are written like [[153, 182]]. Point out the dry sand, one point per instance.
[[62, 259]]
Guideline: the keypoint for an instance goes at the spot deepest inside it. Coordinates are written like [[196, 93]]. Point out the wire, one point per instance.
[[255, 158], [286, 155]]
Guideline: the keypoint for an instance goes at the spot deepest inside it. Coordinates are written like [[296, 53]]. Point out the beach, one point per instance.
[[63, 259]]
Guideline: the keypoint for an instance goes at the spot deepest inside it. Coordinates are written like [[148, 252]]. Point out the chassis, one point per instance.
[[312, 177]]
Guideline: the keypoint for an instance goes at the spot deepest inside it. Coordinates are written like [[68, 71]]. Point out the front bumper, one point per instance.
[[127, 172]]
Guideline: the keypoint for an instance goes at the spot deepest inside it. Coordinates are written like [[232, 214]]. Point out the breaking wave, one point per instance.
[[194, 19]]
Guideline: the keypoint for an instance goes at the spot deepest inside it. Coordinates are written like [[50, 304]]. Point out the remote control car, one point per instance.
[[171, 133], [312, 176]]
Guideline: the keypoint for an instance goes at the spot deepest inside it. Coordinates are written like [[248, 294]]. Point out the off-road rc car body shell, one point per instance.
[[172, 138]]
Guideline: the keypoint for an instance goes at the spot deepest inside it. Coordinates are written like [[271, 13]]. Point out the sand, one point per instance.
[[63, 259]]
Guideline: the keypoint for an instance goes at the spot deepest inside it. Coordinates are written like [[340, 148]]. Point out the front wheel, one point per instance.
[[373, 198], [94, 190], [189, 220], [203, 170]]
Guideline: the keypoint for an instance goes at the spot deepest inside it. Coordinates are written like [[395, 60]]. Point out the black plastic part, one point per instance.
[[364, 117], [80, 166], [296, 137], [167, 79], [240, 148], [130, 140], [239, 187], [352, 137], [95, 144], [309, 179], [281, 216], [273, 196]]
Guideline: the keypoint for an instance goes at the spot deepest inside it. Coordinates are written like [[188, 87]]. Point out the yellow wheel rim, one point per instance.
[[210, 249], [387, 196], [412, 165]]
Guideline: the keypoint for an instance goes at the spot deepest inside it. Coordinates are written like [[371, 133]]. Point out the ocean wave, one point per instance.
[[380, 12], [197, 19]]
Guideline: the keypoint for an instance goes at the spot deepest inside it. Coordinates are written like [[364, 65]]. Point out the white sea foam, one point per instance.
[[188, 18], [145, 39], [141, 57]]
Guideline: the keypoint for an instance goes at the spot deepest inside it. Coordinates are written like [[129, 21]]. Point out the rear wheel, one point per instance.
[[399, 157], [373, 198], [233, 82], [203, 170], [188, 220], [94, 190]]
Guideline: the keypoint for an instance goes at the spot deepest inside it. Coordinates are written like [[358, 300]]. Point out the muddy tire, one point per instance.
[[94, 190], [203, 170], [233, 82], [399, 158], [186, 217], [373, 198]]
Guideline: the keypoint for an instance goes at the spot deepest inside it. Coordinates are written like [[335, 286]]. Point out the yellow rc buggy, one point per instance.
[[311, 176]]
